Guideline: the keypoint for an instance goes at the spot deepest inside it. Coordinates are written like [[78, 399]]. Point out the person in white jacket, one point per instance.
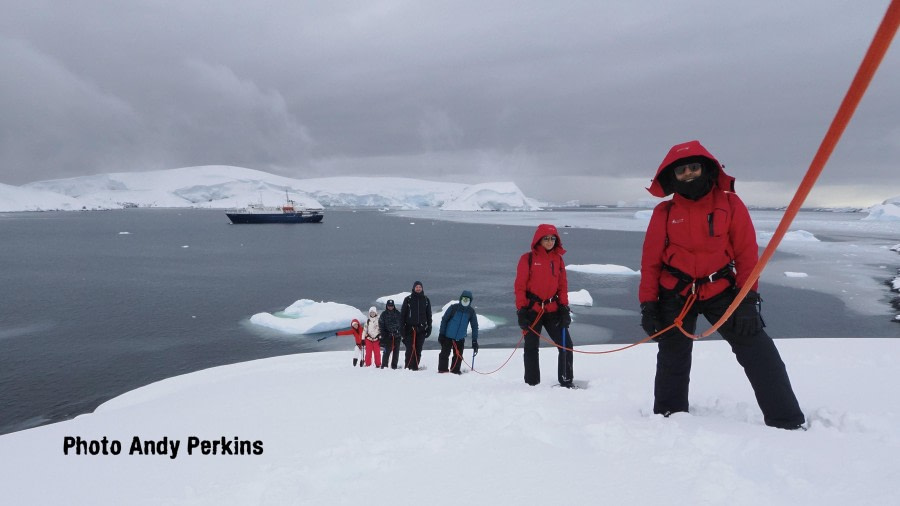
[[371, 336]]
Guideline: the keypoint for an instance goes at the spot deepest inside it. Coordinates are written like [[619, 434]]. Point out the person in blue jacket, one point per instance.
[[452, 335]]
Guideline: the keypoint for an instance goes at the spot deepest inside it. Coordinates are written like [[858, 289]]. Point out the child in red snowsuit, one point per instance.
[[356, 331]]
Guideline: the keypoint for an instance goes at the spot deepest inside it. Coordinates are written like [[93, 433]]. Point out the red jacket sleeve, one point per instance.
[[563, 289], [651, 257], [350, 332], [743, 241], [521, 284]]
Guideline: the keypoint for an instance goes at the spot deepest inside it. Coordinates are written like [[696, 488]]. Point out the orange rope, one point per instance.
[[676, 324], [413, 357], [513, 352], [877, 49]]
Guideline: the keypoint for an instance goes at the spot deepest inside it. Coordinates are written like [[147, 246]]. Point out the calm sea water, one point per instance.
[[88, 312]]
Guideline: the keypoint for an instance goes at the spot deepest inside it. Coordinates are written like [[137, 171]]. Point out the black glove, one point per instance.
[[526, 317], [427, 330], [564, 315], [745, 319], [475, 347], [650, 320]]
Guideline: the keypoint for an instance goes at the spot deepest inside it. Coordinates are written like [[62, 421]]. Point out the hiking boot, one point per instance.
[[567, 384], [355, 360]]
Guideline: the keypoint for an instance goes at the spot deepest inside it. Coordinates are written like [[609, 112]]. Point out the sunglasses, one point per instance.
[[693, 167], [549, 238]]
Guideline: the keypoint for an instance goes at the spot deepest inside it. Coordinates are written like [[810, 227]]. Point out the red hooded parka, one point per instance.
[[697, 237], [546, 276], [357, 332]]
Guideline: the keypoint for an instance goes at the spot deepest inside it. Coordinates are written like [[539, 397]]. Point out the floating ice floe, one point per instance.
[[309, 317], [397, 298], [581, 298], [602, 269], [484, 323], [796, 274], [794, 235], [883, 212]]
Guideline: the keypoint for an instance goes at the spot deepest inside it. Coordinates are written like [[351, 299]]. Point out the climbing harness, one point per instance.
[[685, 280]]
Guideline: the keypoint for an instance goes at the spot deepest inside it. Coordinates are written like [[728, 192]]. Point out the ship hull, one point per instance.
[[251, 218]]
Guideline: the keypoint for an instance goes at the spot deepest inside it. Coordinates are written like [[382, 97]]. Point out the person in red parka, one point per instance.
[[703, 240], [356, 331], [542, 300]]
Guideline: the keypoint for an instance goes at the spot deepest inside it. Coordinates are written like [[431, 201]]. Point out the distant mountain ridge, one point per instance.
[[222, 187]]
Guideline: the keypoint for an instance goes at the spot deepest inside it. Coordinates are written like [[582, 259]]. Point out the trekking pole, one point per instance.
[[323, 338]]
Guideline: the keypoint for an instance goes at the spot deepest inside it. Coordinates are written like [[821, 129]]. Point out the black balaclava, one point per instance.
[[700, 186]]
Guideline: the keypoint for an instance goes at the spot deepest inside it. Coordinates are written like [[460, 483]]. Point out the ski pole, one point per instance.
[[323, 338]]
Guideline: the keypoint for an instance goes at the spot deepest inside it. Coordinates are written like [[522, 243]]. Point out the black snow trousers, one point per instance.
[[390, 349], [756, 353], [414, 340], [449, 359], [558, 334]]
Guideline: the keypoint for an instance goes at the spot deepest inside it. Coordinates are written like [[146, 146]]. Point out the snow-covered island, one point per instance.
[[221, 187]]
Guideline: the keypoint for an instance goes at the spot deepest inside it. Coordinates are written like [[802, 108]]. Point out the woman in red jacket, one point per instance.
[[703, 240], [541, 290], [356, 331]]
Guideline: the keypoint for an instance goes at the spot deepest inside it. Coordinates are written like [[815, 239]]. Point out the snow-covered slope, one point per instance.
[[330, 433], [17, 198]]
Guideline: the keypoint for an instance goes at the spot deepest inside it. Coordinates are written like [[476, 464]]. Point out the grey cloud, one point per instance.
[[55, 120], [502, 90]]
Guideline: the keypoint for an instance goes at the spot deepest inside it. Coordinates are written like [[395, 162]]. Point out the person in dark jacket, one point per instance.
[[452, 334], [703, 240], [415, 319], [542, 300], [389, 323]]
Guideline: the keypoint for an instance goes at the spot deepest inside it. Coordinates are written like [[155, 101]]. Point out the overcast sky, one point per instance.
[[569, 99]]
